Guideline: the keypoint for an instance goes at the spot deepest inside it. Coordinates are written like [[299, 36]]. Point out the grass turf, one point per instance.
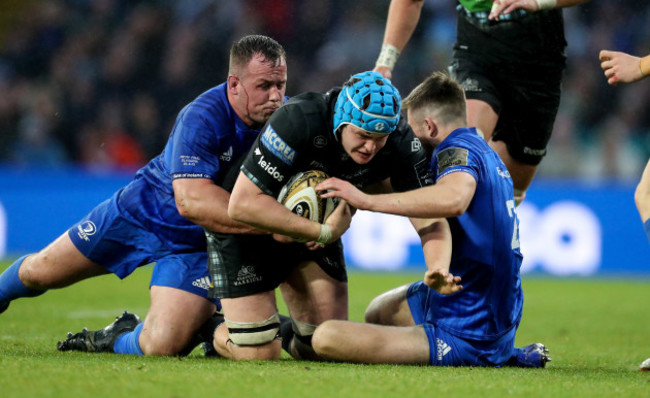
[[597, 331]]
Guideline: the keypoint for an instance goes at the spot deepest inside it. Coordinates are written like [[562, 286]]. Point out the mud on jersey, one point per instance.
[[298, 137]]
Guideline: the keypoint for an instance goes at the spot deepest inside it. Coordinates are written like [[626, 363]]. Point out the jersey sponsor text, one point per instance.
[[268, 166], [272, 141], [189, 160]]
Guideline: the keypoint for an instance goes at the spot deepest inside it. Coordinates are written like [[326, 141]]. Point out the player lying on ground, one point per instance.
[[161, 215], [437, 321]]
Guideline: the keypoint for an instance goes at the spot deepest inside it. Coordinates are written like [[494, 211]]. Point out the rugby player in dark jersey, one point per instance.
[[354, 133], [509, 57]]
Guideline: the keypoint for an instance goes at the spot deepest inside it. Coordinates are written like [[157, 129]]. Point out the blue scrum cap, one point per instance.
[[369, 101]]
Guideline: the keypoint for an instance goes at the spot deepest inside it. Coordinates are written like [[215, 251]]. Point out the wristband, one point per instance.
[[325, 234], [387, 56], [546, 4], [644, 65]]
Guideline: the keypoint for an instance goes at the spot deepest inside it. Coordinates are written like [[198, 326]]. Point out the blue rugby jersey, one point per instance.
[[207, 139], [486, 251]]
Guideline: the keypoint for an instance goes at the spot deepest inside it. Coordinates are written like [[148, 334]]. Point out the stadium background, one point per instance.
[[90, 89]]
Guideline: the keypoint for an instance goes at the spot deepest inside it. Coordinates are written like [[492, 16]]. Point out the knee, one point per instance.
[[158, 348], [32, 273], [264, 352], [373, 313], [324, 339], [162, 342], [251, 341]]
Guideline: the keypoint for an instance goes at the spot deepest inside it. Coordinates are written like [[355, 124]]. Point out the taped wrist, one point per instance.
[[325, 234], [546, 4], [387, 56], [254, 333], [644, 65]]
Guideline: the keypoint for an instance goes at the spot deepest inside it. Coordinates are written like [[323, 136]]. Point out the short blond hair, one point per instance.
[[441, 95]]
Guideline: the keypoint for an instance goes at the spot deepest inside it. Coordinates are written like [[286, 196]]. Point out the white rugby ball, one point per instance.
[[299, 196], [645, 365]]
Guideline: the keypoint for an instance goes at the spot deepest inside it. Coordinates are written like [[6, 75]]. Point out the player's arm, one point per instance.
[[449, 197], [500, 7], [620, 67], [403, 17], [250, 205], [435, 237], [642, 194], [206, 204]]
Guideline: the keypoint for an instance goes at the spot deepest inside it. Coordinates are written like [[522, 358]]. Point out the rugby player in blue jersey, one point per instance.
[[160, 216], [442, 322]]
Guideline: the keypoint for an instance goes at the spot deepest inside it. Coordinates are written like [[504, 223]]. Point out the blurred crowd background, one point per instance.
[[98, 83]]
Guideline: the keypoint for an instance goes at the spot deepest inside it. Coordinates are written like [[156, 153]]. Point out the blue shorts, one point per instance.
[[446, 349], [119, 243]]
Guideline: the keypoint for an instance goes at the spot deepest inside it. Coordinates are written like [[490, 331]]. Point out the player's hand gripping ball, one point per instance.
[[299, 196]]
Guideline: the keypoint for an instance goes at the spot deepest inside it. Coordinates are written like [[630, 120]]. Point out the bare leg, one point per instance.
[[312, 297], [390, 336], [173, 319], [522, 173], [254, 308], [59, 265], [390, 308], [366, 343], [481, 115], [642, 194]]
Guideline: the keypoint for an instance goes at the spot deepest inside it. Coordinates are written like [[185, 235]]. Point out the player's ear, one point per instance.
[[432, 127], [233, 84]]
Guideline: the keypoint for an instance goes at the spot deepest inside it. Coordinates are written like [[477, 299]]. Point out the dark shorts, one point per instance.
[[242, 265], [119, 243], [523, 89], [446, 349]]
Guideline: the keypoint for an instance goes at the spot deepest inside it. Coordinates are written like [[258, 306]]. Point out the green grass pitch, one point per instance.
[[597, 330]]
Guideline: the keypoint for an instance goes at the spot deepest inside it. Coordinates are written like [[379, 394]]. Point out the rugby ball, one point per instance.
[[645, 365], [299, 196]]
